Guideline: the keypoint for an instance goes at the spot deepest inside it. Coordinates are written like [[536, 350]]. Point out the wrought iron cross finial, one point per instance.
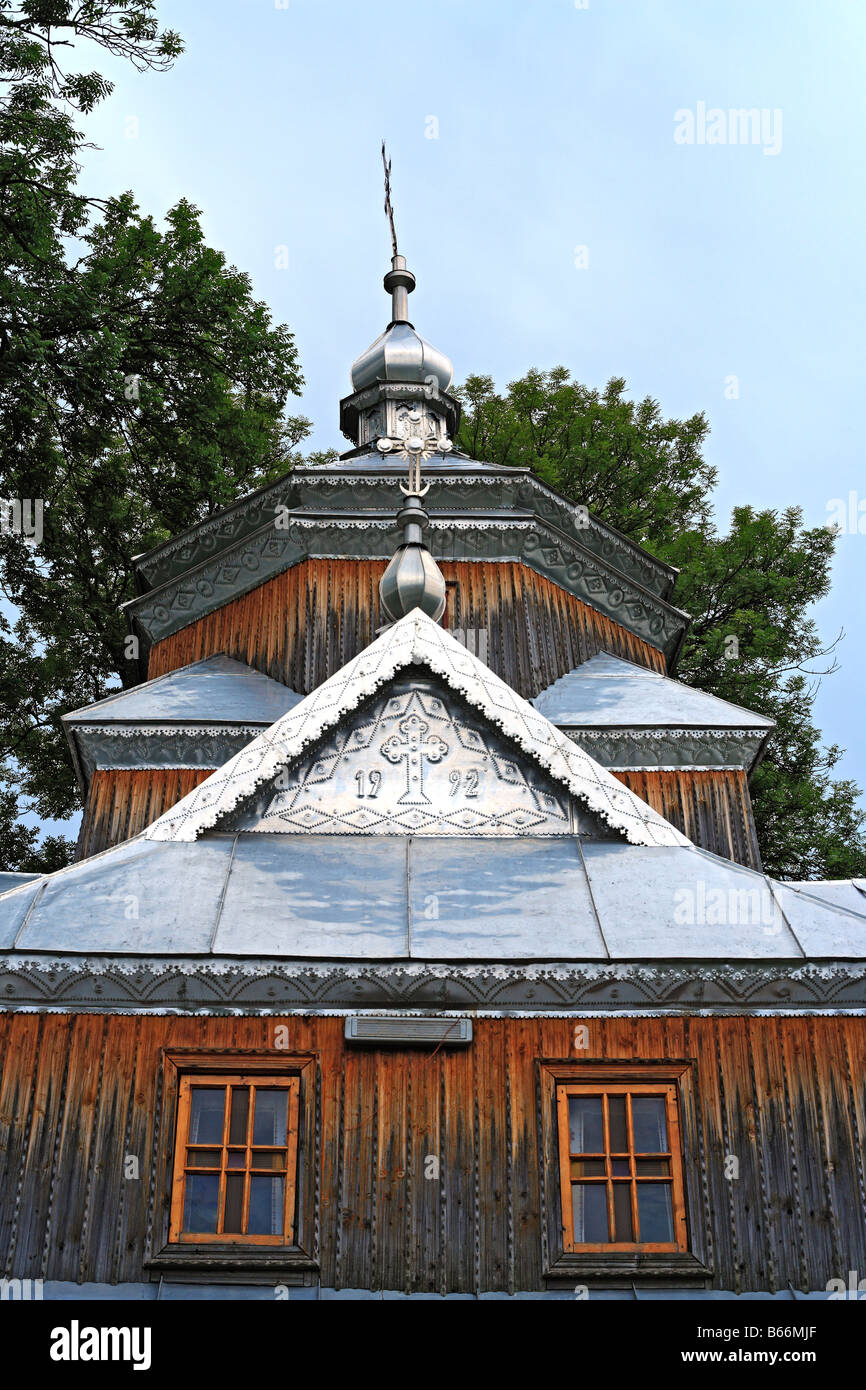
[[389, 211]]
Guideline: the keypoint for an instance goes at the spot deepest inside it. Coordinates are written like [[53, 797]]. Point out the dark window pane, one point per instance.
[[203, 1158], [200, 1203], [585, 1125], [268, 1158], [266, 1207], [622, 1211], [206, 1111], [654, 1212], [653, 1167], [588, 1168], [617, 1124], [233, 1220], [619, 1167], [237, 1158], [649, 1124], [238, 1121], [271, 1117], [589, 1205]]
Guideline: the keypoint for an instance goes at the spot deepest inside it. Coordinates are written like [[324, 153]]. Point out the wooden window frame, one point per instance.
[[673, 1154], [227, 1081], [294, 1255], [614, 1265]]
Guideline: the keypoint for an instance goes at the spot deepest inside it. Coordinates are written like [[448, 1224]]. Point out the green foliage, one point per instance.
[[646, 476], [141, 387]]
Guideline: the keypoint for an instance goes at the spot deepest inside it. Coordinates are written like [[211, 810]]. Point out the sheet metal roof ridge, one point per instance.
[[632, 671], [803, 886], [777, 884], [415, 640]]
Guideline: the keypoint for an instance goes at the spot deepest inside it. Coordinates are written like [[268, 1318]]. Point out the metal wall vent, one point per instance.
[[384, 1029]]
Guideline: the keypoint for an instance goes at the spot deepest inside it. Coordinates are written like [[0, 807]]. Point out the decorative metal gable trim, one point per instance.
[[414, 640]]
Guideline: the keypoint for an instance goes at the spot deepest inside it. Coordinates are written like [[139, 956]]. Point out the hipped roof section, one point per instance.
[[216, 690], [414, 641], [608, 692]]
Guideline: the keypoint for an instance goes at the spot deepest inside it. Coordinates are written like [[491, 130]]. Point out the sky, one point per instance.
[[566, 192]]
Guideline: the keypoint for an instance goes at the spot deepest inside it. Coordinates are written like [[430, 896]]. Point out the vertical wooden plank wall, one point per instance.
[[429, 1160], [304, 624], [122, 802], [713, 808]]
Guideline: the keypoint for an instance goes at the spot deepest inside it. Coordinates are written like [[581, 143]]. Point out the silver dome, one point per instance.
[[401, 354]]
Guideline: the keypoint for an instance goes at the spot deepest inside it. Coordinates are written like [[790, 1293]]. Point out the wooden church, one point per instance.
[[418, 941]]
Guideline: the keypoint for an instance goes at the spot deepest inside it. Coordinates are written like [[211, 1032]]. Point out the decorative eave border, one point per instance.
[[192, 985], [137, 746], [270, 551], [668, 749], [341, 490]]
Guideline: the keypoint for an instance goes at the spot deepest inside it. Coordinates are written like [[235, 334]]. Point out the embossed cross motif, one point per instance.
[[414, 748]]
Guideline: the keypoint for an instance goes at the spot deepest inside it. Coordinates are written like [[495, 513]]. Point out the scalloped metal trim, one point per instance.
[[110, 985]]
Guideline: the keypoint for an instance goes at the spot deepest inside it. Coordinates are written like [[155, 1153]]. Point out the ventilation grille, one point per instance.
[[384, 1029]]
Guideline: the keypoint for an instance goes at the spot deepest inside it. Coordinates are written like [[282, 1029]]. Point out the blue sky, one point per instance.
[[554, 129]]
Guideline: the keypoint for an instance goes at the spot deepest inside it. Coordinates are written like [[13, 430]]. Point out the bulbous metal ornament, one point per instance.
[[412, 579]]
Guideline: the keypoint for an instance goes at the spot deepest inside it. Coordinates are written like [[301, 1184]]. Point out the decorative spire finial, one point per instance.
[[399, 282], [389, 211], [399, 403]]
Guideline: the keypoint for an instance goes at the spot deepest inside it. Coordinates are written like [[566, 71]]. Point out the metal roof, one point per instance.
[[367, 898], [12, 880], [849, 893], [607, 692], [217, 690], [414, 641]]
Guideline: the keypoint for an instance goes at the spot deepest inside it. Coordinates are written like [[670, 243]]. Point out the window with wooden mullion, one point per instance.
[[235, 1160], [620, 1168]]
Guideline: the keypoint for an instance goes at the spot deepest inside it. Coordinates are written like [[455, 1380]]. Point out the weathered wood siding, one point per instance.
[[785, 1098], [121, 802], [713, 808], [307, 622]]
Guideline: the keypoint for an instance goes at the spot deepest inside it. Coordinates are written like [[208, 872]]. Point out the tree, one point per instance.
[[141, 387], [647, 477]]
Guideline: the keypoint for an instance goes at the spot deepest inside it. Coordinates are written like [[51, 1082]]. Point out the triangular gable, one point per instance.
[[414, 641], [415, 759]]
